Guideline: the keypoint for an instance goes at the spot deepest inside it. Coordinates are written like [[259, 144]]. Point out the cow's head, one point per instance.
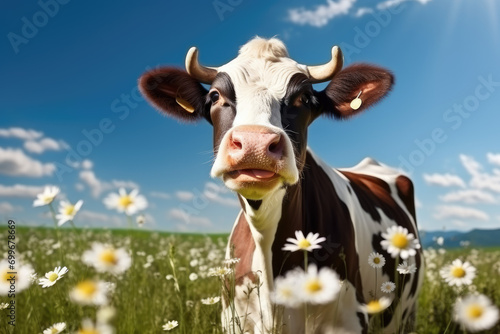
[[260, 105]]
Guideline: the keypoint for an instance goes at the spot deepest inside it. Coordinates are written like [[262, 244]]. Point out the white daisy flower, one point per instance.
[[128, 203], [140, 220], [105, 314], [405, 268], [376, 306], [376, 260], [458, 273], [21, 277], [193, 277], [3, 306], [67, 211], [48, 195], [219, 271], [319, 287], [52, 277], [210, 300], [170, 325], [105, 258], [285, 289], [169, 277], [476, 313], [397, 241], [90, 293], [388, 287], [300, 242], [231, 261], [88, 327], [55, 328]]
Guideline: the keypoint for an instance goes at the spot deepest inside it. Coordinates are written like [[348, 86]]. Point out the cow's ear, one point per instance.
[[174, 92], [355, 89]]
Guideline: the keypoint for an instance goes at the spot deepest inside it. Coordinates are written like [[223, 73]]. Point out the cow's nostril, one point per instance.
[[276, 146]]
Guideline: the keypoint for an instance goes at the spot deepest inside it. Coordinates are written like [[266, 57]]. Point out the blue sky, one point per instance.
[[70, 71]]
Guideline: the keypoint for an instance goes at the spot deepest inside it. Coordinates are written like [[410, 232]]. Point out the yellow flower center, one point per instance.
[[399, 240], [458, 272], [374, 306], [304, 243], [86, 288], [54, 330], [108, 256], [7, 277], [69, 210], [314, 286], [474, 311], [53, 276], [376, 260], [125, 201]]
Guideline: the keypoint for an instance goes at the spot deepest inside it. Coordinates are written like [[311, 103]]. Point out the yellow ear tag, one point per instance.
[[184, 104], [356, 103]]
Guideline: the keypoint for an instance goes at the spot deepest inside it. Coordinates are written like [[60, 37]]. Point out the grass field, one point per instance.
[[144, 299]]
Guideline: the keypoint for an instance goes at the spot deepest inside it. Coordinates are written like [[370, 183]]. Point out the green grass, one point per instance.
[[145, 300]]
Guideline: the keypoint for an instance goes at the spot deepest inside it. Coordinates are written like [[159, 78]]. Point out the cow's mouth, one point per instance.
[[253, 174], [252, 183]]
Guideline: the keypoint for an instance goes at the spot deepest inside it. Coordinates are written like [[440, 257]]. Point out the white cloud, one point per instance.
[[459, 213], [184, 195], [183, 216], [79, 187], [87, 164], [321, 15], [213, 192], [479, 178], [6, 208], [444, 180], [97, 187], [391, 3], [469, 196], [493, 158], [363, 11], [20, 133], [20, 190], [43, 145], [14, 162], [159, 194]]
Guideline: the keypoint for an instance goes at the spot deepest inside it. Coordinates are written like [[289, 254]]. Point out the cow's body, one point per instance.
[[260, 105], [352, 207]]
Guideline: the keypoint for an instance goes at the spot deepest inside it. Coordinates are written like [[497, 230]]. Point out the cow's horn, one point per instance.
[[325, 72], [204, 74]]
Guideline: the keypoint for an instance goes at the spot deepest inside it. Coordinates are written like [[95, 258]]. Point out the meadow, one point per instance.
[[168, 278]]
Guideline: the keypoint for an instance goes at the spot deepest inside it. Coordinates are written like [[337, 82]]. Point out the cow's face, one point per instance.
[[260, 105]]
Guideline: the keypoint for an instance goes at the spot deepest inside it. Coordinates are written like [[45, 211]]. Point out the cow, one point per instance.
[[260, 105]]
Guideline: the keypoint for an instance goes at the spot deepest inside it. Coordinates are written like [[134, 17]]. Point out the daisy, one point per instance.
[[219, 271], [21, 277], [193, 277], [48, 195], [52, 277], [319, 287], [285, 291], [105, 258], [231, 261], [88, 327], [170, 325], [376, 260], [388, 287], [140, 220], [376, 306], [128, 203], [458, 273], [105, 314], [476, 313], [3, 306], [210, 300], [90, 293], [405, 268], [304, 243], [67, 211], [55, 328], [398, 242]]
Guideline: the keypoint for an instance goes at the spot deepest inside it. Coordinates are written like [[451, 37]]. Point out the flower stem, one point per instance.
[[306, 315], [53, 213], [129, 221]]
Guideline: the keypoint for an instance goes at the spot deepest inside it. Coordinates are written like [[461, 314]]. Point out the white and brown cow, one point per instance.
[[260, 105]]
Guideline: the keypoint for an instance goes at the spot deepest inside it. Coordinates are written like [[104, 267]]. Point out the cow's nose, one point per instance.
[[256, 141]]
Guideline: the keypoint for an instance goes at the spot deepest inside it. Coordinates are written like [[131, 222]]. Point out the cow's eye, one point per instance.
[[305, 98], [214, 96]]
